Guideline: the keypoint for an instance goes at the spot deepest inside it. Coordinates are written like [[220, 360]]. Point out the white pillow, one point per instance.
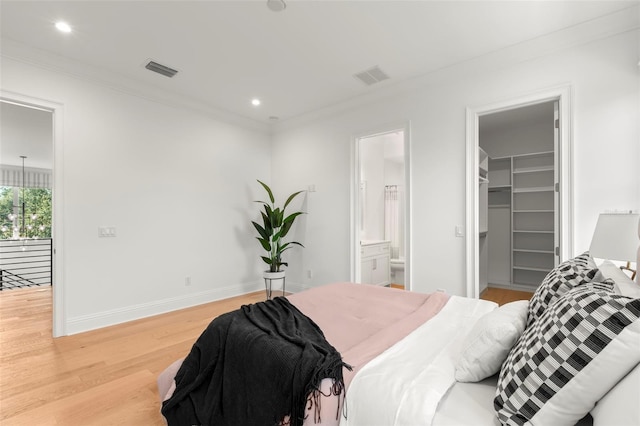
[[488, 343], [569, 358], [621, 405], [623, 284]]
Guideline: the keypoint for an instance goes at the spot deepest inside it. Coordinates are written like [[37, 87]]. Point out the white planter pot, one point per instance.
[[274, 281]]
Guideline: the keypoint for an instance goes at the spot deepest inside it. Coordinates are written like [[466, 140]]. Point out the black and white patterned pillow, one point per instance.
[[561, 279], [570, 357]]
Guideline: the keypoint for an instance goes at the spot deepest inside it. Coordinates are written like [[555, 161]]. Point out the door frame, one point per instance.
[[58, 324], [562, 94], [356, 208]]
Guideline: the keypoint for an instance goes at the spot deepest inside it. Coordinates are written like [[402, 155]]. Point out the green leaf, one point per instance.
[[291, 197], [292, 217], [288, 223], [276, 218], [263, 233], [265, 243], [285, 229], [266, 260], [264, 185], [291, 242]]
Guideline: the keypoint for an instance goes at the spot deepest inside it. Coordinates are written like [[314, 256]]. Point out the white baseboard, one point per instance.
[[83, 323]]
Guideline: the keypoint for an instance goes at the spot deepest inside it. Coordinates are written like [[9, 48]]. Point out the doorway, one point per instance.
[[518, 199], [381, 208], [530, 194], [43, 152]]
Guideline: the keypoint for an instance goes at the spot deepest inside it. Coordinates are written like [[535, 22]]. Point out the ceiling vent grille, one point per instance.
[[161, 69], [372, 76]]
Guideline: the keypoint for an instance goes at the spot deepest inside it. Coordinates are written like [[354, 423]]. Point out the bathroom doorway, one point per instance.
[[381, 237]]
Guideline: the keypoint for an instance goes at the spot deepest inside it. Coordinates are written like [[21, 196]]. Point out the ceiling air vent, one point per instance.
[[161, 69], [371, 76]]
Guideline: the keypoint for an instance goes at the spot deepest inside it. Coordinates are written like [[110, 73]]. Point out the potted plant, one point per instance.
[[275, 226]]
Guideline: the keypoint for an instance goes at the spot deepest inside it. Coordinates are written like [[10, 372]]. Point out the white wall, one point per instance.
[[177, 185], [604, 77], [372, 167]]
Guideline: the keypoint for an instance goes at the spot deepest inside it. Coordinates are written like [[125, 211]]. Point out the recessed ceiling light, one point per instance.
[[255, 102], [63, 27]]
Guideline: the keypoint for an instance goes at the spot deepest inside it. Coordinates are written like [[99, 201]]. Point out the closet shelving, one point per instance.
[[533, 217], [521, 220], [499, 221]]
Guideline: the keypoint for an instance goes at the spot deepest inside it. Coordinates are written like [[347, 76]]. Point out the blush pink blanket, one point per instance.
[[361, 321]]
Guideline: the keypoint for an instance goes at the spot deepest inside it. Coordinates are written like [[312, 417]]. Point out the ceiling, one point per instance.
[[296, 61], [517, 117], [26, 131]]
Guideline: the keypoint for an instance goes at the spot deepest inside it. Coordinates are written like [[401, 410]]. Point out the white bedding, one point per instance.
[[404, 385], [476, 399]]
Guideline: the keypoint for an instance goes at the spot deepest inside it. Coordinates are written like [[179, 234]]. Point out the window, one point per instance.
[[37, 212]]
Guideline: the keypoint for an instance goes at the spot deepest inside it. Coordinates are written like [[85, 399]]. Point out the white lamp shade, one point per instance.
[[616, 237]]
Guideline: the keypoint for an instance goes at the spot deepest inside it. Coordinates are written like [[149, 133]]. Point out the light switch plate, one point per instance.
[[106, 231]]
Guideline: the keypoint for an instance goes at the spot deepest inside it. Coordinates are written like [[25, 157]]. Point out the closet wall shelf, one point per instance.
[[533, 169], [533, 189], [531, 268], [499, 188], [533, 211], [533, 251], [533, 232]]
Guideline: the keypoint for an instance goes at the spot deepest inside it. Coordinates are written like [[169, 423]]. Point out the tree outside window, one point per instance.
[[37, 212]]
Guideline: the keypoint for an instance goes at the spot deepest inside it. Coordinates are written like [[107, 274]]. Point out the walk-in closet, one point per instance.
[[518, 192]]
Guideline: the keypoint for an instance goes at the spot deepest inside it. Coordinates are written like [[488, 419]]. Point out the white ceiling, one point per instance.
[[295, 61], [26, 131], [517, 117]]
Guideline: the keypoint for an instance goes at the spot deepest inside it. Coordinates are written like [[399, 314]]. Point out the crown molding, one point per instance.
[[20, 52]]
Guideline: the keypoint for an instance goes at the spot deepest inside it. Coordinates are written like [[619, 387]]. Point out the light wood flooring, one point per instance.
[[502, 296], [498, 295], [102, 377]]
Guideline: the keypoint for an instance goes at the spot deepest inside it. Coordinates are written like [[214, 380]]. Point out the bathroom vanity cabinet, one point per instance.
[[375, 262]]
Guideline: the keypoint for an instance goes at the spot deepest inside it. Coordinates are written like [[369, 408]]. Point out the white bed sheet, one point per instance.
[[404, 385], [468, 404]]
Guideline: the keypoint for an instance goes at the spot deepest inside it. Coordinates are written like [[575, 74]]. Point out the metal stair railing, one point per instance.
[[26, 263]]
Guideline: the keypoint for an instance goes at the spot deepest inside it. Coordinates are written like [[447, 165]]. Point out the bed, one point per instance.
[[418, 359]]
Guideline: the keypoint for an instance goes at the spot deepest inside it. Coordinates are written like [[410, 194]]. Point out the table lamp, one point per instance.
[[616, 238]]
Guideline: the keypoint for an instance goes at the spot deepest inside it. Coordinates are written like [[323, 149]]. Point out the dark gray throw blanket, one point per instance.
[[254, 366]]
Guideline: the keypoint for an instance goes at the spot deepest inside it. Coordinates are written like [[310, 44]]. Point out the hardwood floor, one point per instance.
[[502, 296], [498, 295], [102, 377]]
